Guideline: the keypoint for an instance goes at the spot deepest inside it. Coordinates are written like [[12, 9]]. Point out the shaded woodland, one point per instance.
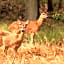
[[47, 47]]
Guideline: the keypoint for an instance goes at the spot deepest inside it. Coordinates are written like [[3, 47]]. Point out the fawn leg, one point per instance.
[[3, 46], [32, 37]]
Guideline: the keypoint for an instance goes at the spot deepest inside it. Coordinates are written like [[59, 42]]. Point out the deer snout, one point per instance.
[[46, 16], [23, 30]]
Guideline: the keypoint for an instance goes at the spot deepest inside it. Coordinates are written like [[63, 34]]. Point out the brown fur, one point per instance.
[[32, 27], [12, 40]]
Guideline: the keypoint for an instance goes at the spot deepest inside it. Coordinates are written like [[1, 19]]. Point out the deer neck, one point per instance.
[[21, 36], [40, 21]]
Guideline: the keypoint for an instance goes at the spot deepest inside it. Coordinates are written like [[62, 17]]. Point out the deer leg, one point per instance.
[[3, 45], [32, 37]]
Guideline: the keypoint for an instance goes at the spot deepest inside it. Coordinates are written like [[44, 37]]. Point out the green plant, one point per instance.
[[56, 32], [58, 16]]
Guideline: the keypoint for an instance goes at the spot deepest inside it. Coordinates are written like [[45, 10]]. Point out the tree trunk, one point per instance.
[[32, 9], [60, 4], [50, 6]]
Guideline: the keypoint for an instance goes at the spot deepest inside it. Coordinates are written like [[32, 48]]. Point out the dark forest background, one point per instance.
[[12, 9], [52, 28]]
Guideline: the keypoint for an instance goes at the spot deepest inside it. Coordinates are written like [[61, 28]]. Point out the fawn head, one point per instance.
[[23, 26]]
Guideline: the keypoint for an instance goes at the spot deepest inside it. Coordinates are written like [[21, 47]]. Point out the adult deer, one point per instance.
[[32, 27]]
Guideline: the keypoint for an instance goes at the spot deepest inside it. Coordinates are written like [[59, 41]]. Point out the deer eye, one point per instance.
[[24, 26], [43, 14]]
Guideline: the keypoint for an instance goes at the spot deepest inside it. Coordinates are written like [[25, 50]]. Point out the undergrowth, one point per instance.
[[49, 31]]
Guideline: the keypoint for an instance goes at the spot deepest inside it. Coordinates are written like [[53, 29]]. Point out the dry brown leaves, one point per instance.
[[34, 54]]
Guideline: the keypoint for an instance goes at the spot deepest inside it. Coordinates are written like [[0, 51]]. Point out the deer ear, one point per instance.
[[27, 22], [19, 22], [40, 10]]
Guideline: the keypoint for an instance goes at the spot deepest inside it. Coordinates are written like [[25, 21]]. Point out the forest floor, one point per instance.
[[51, 32], [33, 54]]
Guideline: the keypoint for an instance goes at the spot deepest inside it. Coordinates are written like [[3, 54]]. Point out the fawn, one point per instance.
[[13, 40], [31, 28]]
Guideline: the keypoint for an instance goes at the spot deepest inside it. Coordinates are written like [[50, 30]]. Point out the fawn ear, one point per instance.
[[19, 22], [27, 22]]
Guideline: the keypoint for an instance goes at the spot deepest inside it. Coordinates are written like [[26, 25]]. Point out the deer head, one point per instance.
[[43, 15], [23, 26]]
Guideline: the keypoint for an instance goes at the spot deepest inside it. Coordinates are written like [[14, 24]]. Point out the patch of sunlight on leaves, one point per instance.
[[4, 25], [39, 37], [27, 38]]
